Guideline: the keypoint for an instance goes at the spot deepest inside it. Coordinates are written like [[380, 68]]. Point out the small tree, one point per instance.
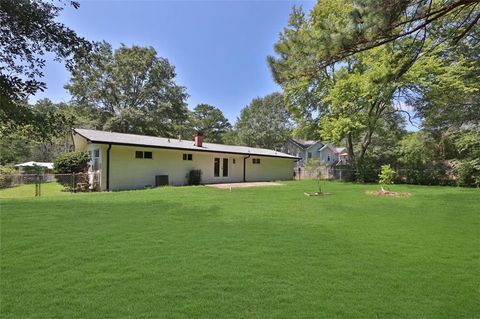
[[386, 176], [315, 165]]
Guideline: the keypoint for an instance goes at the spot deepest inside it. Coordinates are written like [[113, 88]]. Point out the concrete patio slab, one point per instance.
[[246, 184]]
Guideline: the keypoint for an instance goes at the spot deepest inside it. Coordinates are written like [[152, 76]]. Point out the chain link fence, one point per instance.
[[323, 172], [73, 183], [403, 176]]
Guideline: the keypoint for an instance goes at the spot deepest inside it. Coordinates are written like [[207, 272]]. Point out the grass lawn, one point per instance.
[[266, 252], [28, 190]]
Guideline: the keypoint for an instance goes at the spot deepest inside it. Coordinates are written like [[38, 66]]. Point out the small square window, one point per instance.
[[187, 157], [138, 154], [147, 154], [255, 160]]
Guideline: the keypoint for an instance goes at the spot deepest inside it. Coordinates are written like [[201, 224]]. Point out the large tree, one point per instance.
[[265, 122], [133, 90], [210, 121], [352, 98], [29, 29]]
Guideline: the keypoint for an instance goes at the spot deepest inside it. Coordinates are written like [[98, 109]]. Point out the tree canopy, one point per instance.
[[210, 121], [132, 90], [265, 122]]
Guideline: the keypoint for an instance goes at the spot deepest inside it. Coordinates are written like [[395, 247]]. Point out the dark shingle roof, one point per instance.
[[103, 137]]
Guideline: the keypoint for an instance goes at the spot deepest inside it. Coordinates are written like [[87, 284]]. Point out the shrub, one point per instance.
[[6, 176], [194, 177], [468, 173], [72, 162], [386, 175]]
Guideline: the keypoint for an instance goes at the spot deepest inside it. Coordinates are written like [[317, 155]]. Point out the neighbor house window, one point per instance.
[[328, 158], [309, 155], [255, 160], [140, 154], [96, 153], [187, 157]]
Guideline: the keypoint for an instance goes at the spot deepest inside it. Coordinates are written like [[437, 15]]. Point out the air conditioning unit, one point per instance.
[[161, 180]]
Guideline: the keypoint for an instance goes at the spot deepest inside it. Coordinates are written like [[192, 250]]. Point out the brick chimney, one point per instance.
[[199, 139]]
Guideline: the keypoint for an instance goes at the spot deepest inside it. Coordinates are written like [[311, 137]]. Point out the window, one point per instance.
[[140, 154], [309, 155], [233, 161], [225, 167], [328, 158], [96, 153], [255, 160], [216, 167], [187, 157]]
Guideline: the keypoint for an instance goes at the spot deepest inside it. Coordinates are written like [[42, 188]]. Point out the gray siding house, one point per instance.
[[324, 153]]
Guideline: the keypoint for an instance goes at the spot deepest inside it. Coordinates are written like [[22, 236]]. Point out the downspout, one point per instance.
[[244, 167], [108, 166]]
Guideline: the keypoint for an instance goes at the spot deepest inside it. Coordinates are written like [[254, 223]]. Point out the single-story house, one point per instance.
[[35, 167], [324, 153], [129, 161]]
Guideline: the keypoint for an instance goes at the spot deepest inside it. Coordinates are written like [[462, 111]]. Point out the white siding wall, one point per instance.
[[269, 169], [127, 172]]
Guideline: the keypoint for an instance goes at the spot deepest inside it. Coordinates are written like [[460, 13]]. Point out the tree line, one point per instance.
[[353, 73]]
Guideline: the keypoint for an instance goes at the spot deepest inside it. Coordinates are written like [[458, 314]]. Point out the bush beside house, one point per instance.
[[69, 164], [6, 176]]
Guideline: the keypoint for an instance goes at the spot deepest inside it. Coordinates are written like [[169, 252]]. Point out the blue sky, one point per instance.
[[219, 48]]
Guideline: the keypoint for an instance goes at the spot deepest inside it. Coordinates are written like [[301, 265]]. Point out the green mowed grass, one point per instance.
[[28, 190], [269, 252]]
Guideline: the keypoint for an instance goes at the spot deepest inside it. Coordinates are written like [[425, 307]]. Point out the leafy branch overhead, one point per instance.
[[371, 23], [29, 31]]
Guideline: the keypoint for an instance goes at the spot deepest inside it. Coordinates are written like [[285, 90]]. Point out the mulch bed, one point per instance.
[[389, 193], [316, 194]]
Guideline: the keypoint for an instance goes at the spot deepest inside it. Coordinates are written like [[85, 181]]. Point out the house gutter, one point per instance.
[[244, 167], [199, 149], [108, 166]]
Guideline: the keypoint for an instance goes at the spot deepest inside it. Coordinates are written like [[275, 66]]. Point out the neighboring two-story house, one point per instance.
[[324, 153]]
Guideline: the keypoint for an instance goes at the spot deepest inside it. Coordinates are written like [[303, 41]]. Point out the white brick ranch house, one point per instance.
[[128, 161]]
